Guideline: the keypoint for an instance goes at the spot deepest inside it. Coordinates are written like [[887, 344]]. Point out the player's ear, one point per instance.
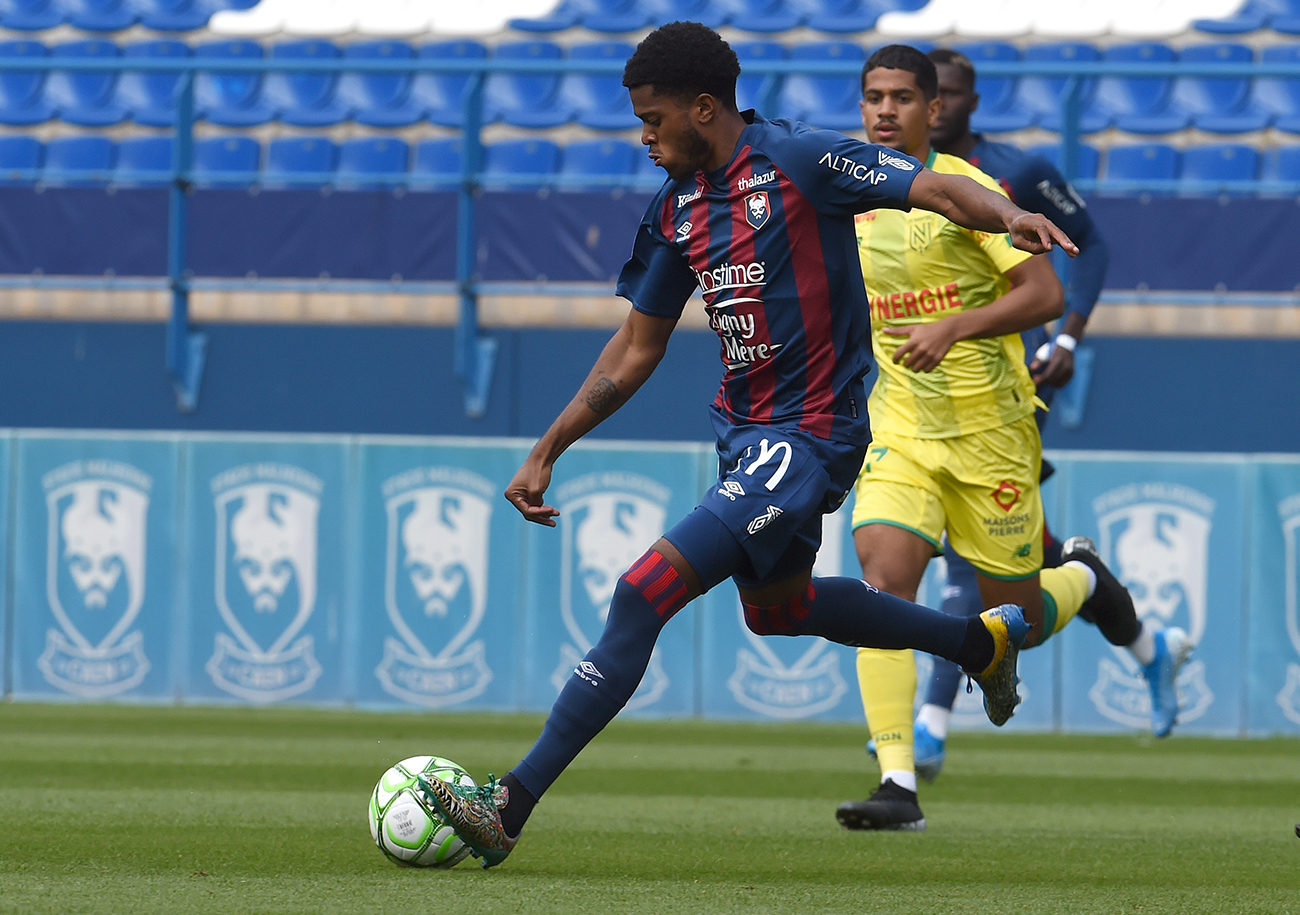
[[704, 108], [935, 105], [862, 110]]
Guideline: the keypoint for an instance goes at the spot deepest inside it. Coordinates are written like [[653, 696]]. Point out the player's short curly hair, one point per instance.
[[683, 60], [952, 58], [905, 57]]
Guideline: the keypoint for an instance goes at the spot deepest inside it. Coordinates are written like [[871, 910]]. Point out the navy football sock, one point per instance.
[[962, 599], [852, 612], [644, 600]]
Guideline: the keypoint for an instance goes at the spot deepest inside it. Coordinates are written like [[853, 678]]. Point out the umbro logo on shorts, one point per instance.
[[769, 515]]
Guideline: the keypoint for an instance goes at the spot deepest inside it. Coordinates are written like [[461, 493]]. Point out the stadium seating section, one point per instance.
[[1157, 133]]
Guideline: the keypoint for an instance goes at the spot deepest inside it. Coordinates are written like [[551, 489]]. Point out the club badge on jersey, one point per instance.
[[757, 209]]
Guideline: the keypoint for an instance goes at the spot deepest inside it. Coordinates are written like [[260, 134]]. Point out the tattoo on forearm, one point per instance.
[[602, 396]]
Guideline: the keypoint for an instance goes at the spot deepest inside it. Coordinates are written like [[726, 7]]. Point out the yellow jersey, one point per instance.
[[919, 267]]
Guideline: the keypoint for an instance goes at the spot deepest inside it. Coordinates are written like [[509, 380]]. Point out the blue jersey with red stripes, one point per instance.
[[768, 239]]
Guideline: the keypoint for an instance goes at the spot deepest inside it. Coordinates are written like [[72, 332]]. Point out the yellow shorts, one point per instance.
[[982, 488]]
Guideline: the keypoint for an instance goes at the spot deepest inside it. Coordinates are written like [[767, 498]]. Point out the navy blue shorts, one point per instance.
[[773, 487]]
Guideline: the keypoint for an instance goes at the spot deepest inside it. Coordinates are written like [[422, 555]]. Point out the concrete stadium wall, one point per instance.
[[388, 572]]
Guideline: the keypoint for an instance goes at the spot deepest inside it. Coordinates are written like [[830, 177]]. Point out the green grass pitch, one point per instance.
[[150, 809]]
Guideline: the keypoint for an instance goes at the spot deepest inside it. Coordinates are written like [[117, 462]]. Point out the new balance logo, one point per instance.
[[763, 520], [731, 489], [895, 161], [684, 231], [587, 671]]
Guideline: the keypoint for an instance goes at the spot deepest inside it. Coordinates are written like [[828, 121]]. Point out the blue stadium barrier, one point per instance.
[[333, 570]]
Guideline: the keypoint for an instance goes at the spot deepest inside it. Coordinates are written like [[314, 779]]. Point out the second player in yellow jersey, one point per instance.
[[955, 448]]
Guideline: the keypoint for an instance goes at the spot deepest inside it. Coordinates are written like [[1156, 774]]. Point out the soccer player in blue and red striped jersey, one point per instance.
[[757, 215]]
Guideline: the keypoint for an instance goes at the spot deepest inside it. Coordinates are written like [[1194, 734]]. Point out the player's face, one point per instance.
[[895, 112], [668, 128], [957, 100]]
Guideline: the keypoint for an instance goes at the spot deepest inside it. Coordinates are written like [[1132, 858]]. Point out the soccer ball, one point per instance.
[[404, 829]]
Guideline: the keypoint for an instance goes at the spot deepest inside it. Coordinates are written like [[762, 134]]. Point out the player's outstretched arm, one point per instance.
[[629, 358], [1035, 298], [968, 204]]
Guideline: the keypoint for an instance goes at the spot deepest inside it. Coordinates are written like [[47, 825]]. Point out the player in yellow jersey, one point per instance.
[[955, 449]]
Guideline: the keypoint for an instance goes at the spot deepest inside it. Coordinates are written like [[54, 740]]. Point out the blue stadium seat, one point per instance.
[[1280, 164], [1089, 157], [100, 15], [21, 97], [1219, 105], [379, 99], [86, 161], [184, 15], [1280, 95], [305, 99], [150, 98], [442, 157], [1252, 17], [310, 159], [600, 100], [1044, 96], [998, 111], [617, 17], [534, 160], [19, 154], [599, 157], [85, 97], [526, 99], [609, 15], [1217, 164], [823, 101], [31, 15], [231, 99], [756, 91], [702, 11], [143, 154], [364, 160], [842, 16], [1139, 104], [225, 154], [442, 95], [1142, 163], [766, 16]]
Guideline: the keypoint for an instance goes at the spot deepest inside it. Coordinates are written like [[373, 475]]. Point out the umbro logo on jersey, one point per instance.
[[683, 199], [887, 159], [757, 209], [684, 231], [770, 514], [587, 671]]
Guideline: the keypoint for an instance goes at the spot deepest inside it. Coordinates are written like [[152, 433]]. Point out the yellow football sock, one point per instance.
[[1064, 591], [888, 683]]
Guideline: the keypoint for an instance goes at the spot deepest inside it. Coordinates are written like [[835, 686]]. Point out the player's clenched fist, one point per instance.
[[526, 490]]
